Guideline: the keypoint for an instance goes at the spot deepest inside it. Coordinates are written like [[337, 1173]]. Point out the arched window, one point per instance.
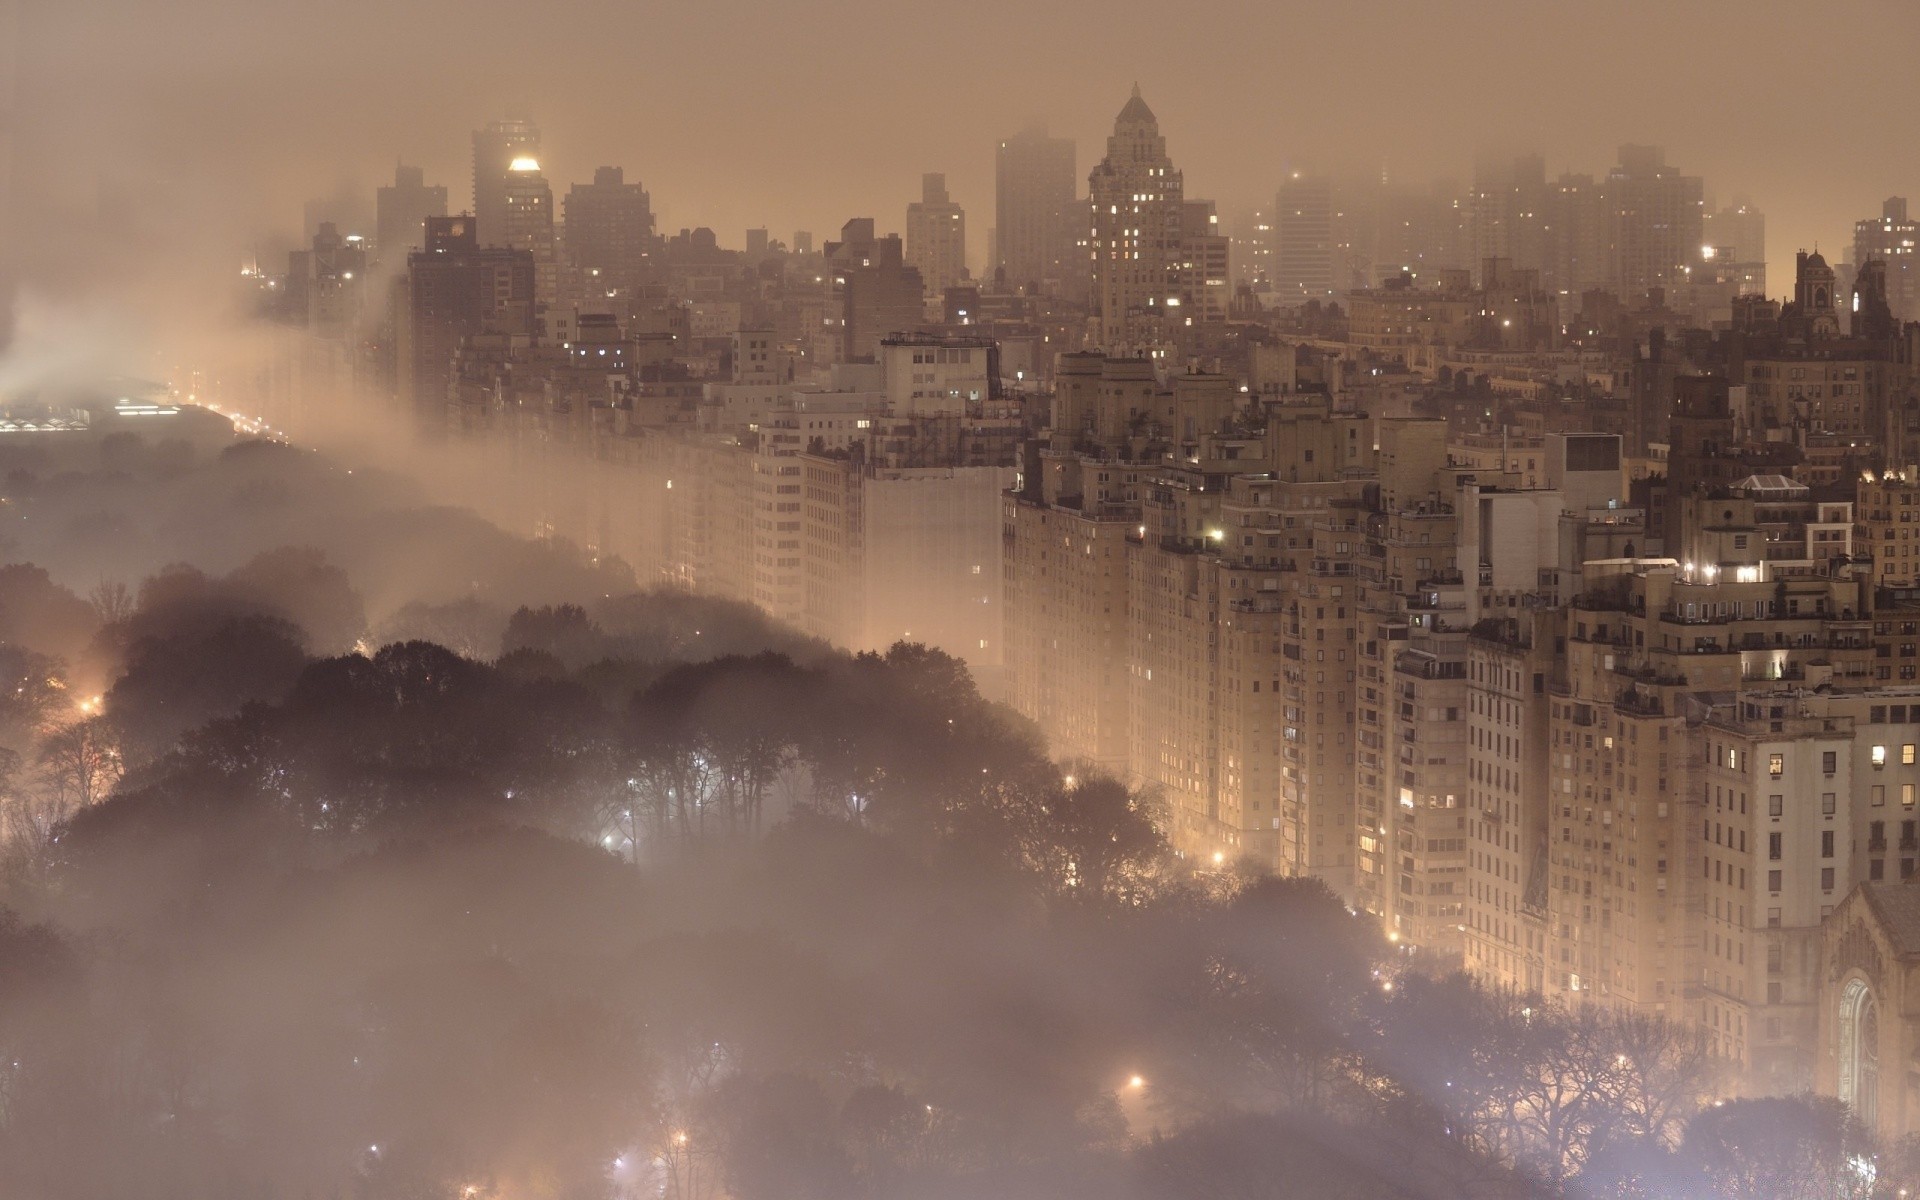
[[1859, 1051]]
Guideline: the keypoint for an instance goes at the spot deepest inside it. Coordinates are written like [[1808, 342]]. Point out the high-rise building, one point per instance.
[[495, 150], [1507, 803], [1654, 222], [609, 230], [527, 214], [1577, 256], [456, 289], [401, 209], [1137, 199], [1203, 287], [1509, 211], [1740, 228], [1892, 238], [324, 283], [1303, 240], [1034, 194], [879, 293], [347, 210], [936, 237]]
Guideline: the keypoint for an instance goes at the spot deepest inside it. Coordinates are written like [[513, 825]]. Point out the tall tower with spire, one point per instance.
[[1136, 202]]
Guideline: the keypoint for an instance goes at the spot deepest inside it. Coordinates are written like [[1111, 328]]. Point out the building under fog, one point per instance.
[[456, 289], [401, 209], [495, 150], [936, 238], [609, 231], [1036, 216], [1137, 209], [880, 293], [1303, 240], [1891, 238]]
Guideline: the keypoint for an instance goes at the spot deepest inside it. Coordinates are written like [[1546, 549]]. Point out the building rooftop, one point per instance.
[[1772, 486], [1897, 905], [1136, 109]]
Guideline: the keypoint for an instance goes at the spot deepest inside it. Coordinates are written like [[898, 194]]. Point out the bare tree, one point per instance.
[[112, 601], [80, 762], [1664, 1073]]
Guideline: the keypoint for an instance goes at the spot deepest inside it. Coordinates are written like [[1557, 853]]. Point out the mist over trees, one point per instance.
[[377, 854]]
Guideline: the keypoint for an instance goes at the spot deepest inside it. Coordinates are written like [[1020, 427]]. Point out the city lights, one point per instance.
[[754, 637]]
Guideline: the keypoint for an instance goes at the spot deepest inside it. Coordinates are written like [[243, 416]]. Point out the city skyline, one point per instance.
[[1091, 602], [1730, 116]]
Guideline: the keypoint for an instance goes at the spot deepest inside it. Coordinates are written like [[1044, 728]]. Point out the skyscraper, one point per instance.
[[609, 229], [1891, 238], [1508, 211], [455, 289], [1654, 222], [937, 237], [528, 217], [1740, 227], [1204, 284], [324, 283], [1033, 206], [1303, 239], [879, 293], [1137, 199], [495, 149], [1578, 260], [401, 210]]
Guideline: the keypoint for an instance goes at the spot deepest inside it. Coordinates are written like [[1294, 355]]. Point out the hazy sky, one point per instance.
[[224, 115]]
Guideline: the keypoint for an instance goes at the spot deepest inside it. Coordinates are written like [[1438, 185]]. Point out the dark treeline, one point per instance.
[[642, 896]]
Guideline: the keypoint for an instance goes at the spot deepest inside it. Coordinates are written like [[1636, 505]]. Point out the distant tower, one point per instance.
[[529, 223], [495, 149], [879, 293], [937, 237], [455, 289], [1812, 283], [609, 229], [401, 210], [1653, 221], [1136, 210], [1035, 218], [1813, 295], [1303, 237], [1894, 238]]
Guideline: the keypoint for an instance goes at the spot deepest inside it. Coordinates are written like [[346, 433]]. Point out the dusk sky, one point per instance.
[[799, 116]]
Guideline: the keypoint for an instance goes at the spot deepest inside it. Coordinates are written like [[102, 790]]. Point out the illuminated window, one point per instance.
[[1879, 756], [1776, 765]]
